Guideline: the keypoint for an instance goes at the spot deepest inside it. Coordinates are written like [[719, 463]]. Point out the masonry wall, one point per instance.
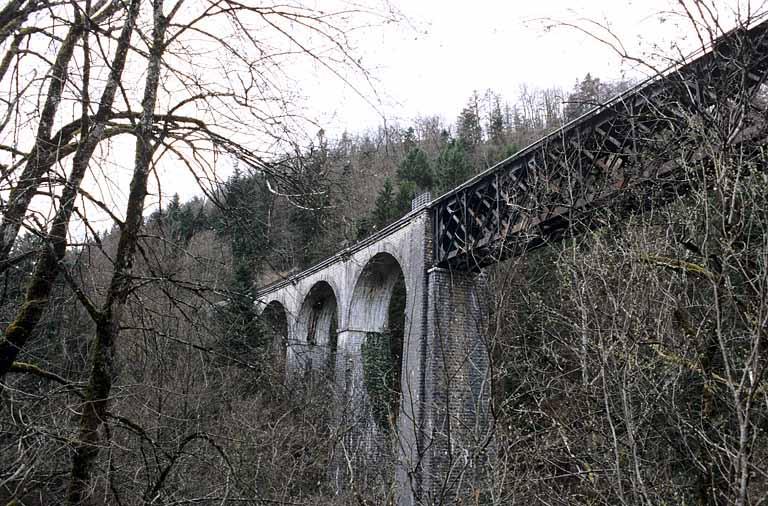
[[361, 440], [458, 387]]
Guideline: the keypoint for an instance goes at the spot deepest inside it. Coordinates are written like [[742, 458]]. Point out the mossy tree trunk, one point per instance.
[[47, 149], [49, 259], [102, 376]]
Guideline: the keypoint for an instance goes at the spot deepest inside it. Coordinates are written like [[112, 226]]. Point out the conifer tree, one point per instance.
[[586, 95], [468, 127], [415, 167], [384, 210], [406, 192], [496, 125], [454, 166], [409, 139]]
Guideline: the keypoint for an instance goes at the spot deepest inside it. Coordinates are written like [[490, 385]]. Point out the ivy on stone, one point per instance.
[[378, 375]]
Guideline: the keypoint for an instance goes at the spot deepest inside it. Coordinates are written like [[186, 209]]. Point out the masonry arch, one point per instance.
[[377, 309], [317, 329]]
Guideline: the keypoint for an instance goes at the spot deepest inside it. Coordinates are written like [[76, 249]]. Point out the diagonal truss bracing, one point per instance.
[[637, 138]]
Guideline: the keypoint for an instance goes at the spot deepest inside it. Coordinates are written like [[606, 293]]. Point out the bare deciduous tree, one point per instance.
[[216, 88], [631, 367]]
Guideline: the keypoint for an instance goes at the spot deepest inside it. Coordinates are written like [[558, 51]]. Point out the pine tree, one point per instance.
[[586, 95], [310, 221], [384, 211], [171, 218], [246, 205], [409, 139], [406, 192], [415, 167], [468, 127], [454, 166], [496, 125]]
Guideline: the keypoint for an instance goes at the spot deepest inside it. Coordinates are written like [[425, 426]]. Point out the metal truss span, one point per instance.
[[638, 138]]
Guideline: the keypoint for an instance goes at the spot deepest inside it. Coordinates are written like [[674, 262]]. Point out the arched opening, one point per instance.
[[274, 322], [317, 330], [378, 309]]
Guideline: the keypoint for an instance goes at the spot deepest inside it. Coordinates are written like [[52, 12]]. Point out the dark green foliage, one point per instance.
[[363, 228], [379, 375], [586, 95], [416, 168], [453, 165], [487, 130], [496, 124], [243, 222], [589, 93], [509, 150], [174, 208], [182, 221], [242, 334], [409, 140], [407, 191], [390, 206], [382, 354], [387, 208], [415, 175], [602, 359], [311, 227], [244, 217], [468, 127], [308, 226], [316, 212], [396, 322]]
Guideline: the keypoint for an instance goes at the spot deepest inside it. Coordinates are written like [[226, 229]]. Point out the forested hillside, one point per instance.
[[628, 360], [363, 181]]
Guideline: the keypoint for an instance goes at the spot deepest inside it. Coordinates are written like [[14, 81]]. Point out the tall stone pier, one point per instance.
[[457, 421]]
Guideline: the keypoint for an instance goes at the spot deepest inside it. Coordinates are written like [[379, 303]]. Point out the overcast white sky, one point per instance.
[[431, 63]]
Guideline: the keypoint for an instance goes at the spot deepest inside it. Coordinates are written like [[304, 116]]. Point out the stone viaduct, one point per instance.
[[444, 380], [439, 427]]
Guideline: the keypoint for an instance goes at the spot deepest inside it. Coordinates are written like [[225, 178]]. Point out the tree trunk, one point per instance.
[[102, 376], [48, 261], [44, 152]]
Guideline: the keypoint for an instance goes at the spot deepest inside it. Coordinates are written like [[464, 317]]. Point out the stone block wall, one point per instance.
[[458, 389], [363, 450]]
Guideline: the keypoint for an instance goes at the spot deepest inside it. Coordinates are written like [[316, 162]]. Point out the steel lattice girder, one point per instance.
[[534, 196]]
